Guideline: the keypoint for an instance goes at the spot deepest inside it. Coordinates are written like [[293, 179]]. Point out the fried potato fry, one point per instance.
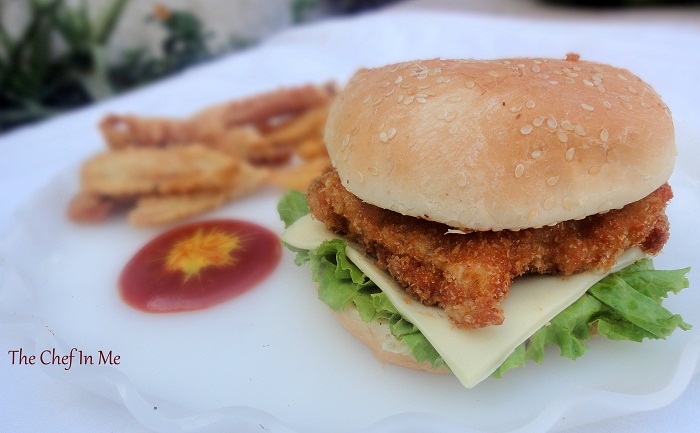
[[299, 177], [162, 170], [276, 103], [125, 131], [312, 148], [90, 208], [156, 170], [295, 130], [163, 209], [156, 210]]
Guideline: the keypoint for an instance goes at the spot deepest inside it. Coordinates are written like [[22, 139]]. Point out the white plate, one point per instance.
[[275, 359], [277, 349]]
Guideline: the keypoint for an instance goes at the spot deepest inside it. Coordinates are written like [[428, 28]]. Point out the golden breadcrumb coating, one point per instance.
[[470, 274]]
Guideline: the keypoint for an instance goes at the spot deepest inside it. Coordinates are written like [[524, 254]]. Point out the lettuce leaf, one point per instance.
[[626, 305], [341, 282]]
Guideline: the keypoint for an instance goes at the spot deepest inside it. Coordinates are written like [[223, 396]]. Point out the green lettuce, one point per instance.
[[625, 305]]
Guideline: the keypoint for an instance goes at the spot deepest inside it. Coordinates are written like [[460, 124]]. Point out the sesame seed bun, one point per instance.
[[501, 144]]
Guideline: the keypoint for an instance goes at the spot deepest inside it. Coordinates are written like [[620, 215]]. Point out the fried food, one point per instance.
[[470, 274], [152, 210], [299, 177], [180, 169], [163, 169], [123, 131]]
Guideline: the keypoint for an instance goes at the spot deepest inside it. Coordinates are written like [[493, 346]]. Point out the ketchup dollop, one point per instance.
[[199, 265]]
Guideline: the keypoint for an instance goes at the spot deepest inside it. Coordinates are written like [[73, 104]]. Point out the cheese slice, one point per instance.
[[471, 354]]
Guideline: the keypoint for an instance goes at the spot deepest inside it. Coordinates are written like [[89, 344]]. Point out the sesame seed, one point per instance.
[[454, 98], [536, 154], [398, 79], [587, 107], [570, 154], [580, 130], [610, 156], [383, 137], [451, 116], [461, 179], [604, 135], [572, 74], [627, 105], [519, 169], [607, 104], [390, 92], [385, 84], [421, 100], [569, 80], [593, 171], [516, 108], [552, 122], [372, 170], [470, 84], [366, 99], [588, 83], [567, 125], [561, 135], [532, 215], [558, 72], [526, 129], [535, 69], [567, 203], [391, 133], [552, 180], [632, 90], [377, 102], [399, 98], [622, 77], [530, 104], [355, 129], [549, 203], [554, 82], [408, 100], [345, 142], [538, 121], [494, 74]]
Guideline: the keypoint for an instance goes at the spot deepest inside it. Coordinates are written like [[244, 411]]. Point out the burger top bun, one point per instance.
[[501, 144]]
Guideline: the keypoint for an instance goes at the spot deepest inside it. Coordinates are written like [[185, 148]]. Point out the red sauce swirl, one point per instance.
[[199, 265]]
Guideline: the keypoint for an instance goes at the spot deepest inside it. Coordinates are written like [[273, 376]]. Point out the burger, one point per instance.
[[477, 211]]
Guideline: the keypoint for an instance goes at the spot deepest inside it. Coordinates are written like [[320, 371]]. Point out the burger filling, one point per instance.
[[468, 273]]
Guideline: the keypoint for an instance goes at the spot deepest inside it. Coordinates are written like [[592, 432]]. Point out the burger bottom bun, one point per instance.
[[385, 347]]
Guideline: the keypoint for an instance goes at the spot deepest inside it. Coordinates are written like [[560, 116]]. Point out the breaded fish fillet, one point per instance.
[[470, 274]]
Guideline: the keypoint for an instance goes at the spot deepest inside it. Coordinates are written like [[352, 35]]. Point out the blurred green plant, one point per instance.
[[57, 61], [185, 44]]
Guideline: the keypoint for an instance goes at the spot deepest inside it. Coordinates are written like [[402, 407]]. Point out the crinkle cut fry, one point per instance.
[[470, 274]]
